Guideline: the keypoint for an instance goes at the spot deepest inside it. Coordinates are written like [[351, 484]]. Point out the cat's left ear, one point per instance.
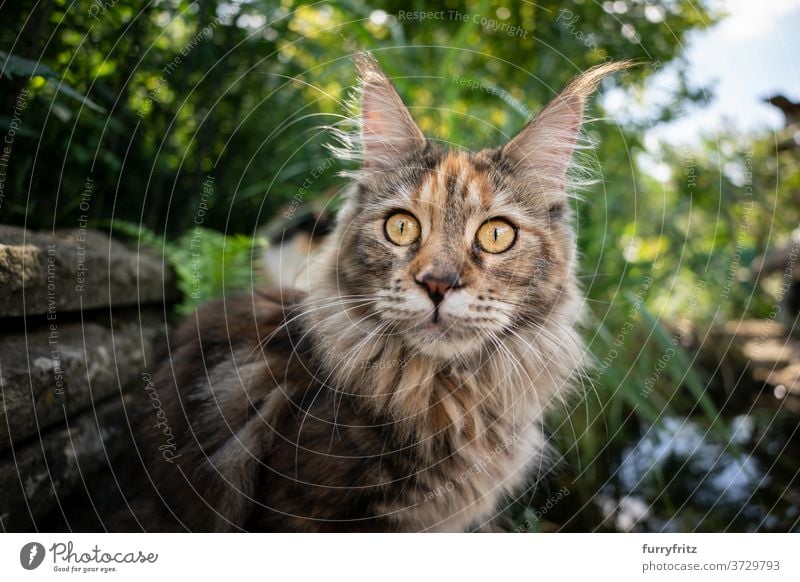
[[388, 132], [542, 151]]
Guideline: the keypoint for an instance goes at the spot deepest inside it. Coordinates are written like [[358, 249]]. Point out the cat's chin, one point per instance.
[[436, 342]]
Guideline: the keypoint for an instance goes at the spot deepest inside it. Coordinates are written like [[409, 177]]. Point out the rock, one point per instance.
[[40, 474], [73, 349], [75, 270], [56, 369]]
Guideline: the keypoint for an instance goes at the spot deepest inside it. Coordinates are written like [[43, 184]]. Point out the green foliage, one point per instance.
[[210, 264], [207, 263], [238, 90]]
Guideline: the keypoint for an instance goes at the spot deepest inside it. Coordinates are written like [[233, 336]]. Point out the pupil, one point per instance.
[[402, 226], [495, 234]]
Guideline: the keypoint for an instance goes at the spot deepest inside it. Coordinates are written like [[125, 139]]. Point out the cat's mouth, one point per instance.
[[438, 327], [440, 324], [435, 325], [436, 318], [441, 339]]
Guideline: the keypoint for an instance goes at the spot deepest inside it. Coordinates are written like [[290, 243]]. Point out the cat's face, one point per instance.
[[454, 249]]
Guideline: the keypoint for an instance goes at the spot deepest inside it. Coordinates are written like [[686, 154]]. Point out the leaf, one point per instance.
[[14, 66], [70, 92], [5, 125]]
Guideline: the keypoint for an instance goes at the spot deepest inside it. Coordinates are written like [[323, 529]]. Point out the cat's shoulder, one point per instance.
[[241, 318]]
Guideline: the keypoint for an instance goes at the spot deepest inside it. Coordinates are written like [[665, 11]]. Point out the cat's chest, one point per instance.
[[492, 435], [466, 489], [338, 463]]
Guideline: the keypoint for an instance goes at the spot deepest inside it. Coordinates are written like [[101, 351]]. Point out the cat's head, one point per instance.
[[451, 248]]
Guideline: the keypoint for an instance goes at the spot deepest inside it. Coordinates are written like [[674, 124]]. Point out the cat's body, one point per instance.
[[406, 392], [269, 447]]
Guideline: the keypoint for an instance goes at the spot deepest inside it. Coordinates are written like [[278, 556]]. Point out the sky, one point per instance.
[[753, 53]]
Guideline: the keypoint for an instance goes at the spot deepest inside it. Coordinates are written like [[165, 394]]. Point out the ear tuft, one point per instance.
[[368, 68], [388, 132], [543, 150]]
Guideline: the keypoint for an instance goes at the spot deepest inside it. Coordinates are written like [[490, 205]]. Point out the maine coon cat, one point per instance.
[[406, 391]]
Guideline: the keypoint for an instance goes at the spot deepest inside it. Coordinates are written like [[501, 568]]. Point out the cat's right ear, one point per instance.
[[388, 132]]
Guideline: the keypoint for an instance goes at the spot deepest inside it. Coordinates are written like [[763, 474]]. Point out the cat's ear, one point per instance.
[[542, 151], [388, 131]]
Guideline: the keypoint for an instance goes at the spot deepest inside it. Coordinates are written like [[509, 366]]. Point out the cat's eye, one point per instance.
[[496, 235], [402, 229]]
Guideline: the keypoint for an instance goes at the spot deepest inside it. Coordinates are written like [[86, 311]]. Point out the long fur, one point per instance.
[[350, 408]]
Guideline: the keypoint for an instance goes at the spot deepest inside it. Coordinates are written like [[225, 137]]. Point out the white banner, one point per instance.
[[353, 557]]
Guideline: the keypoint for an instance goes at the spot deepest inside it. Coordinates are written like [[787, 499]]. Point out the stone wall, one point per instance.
[[80, 314]]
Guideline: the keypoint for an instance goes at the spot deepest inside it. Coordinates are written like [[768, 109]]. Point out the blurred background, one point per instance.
[[193, 128]]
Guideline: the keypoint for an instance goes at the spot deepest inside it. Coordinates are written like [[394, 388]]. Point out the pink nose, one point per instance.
[[438, 284]]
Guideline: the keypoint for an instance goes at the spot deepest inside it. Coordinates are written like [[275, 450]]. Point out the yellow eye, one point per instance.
[[496, 235], [402, 229]]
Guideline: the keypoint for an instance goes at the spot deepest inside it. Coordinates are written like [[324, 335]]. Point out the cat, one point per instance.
[[406, 391]]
